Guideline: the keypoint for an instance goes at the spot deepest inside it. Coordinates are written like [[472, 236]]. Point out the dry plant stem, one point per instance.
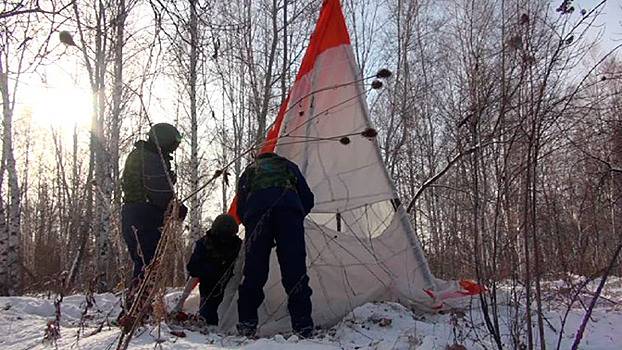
[[100, 326], [438, 175], [569, 308], [152, 281], [603, 280], [89, 303]]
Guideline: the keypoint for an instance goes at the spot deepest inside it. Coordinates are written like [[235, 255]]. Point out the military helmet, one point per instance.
[[166, 136]]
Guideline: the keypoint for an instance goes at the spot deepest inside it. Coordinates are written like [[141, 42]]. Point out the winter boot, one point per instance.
[[246, 329], [304, 332], [303, 327]]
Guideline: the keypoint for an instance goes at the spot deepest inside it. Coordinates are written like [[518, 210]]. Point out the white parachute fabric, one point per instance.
[[341, 176], [360, 244]]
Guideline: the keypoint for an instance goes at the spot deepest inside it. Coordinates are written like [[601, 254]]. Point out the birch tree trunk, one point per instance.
[[268, 80], [4, 238], [99, 190], [112, 185], [103, 179], [117, 97], [195, 205], [10, 251]]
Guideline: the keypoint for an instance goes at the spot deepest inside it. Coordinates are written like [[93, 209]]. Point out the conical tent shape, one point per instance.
[[360, 244]]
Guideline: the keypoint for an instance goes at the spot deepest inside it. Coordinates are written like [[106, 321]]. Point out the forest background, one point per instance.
[[501, 125]]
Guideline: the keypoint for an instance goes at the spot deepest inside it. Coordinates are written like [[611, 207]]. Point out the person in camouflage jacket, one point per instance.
[[273, 200], [147, 182]]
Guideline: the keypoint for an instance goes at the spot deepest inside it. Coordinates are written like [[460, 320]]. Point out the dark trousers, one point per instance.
[[285, 227], [212, 292], [141, 224]]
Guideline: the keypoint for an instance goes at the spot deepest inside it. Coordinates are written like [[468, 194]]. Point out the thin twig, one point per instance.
[[599, 290]]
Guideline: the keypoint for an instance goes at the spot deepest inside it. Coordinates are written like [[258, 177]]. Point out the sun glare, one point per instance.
[[61, 108]]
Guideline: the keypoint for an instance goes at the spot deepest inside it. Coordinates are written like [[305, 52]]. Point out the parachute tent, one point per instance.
[[360, 244]]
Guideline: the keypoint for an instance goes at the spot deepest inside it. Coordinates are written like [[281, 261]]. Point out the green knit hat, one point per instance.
[[224, 225]]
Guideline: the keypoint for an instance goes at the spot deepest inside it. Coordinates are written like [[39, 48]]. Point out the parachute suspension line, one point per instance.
[[396, 202], [333, 239], [258, 145], [369, 249], [338, 219], [410, 233], [333, 87], [326, 110], [417, 249], [305, 160], [369, 231]]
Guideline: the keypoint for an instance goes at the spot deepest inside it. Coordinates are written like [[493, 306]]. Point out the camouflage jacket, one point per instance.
[[272, 181], [147, 176]]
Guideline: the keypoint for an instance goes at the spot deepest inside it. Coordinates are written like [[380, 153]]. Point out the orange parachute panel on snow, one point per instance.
[[471, 288]]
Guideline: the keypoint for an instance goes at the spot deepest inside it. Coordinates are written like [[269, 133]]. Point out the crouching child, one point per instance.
[[212, 262]]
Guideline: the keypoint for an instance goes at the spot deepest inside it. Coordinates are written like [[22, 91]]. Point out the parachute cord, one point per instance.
[[258, 145], [292, 105], [323, 112], [252, 236]]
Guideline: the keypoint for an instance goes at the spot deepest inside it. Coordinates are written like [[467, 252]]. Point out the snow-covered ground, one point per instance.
[[23, 321]]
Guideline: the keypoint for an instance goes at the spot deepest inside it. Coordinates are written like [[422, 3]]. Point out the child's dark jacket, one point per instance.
[[213, 256]]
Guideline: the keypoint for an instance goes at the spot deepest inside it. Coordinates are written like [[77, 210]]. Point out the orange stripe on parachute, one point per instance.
[[330, 31]]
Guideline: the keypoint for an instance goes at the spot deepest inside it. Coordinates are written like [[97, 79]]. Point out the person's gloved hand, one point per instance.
[[181, 316], [179, 214], [183, 211]]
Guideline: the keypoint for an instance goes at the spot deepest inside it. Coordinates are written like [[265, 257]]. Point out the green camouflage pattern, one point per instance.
[[271, 171], [132, 179], [143, 170]]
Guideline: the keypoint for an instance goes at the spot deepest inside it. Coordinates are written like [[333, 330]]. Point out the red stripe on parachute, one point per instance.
[[330, 31]]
